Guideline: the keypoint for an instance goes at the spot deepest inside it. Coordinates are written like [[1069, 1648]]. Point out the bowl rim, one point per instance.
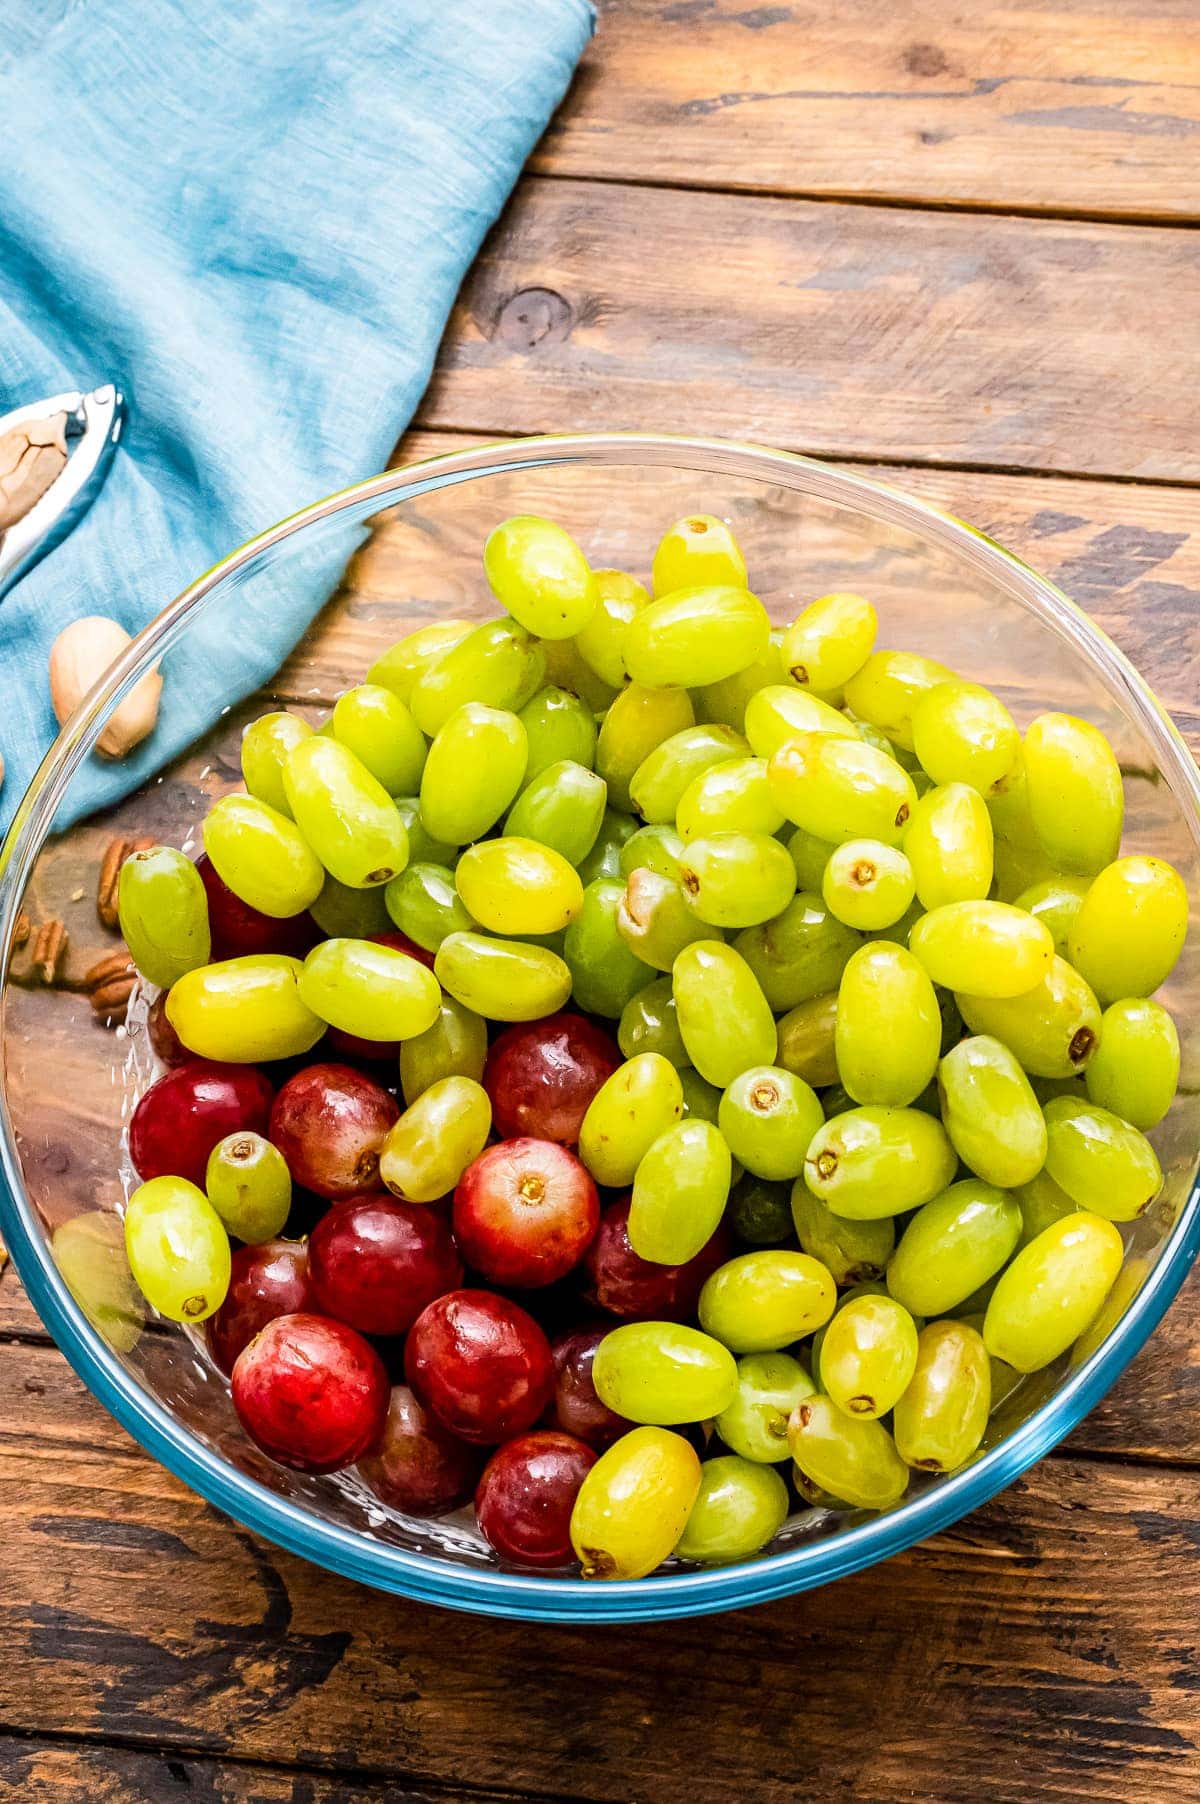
[[490, 1590]]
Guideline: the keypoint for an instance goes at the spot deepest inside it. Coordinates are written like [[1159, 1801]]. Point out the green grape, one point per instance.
[[701, 1100], [649, 1023], [376, 992], [1135, 1069], [605, 974], [559, 729], [853, 1251], [808, 1040], [89, 1251], [765, 1300], [841, 789], [604, 859], [868, 1355], [1053, 1028], [737, 879], [424, 903], [869, 1287], [246, 1011], [1076, 801], [953, 1246], [724, 1019], [963, 733], [565, 669], [1129, 1281], [383, 736], [1052, 1290], [1047, 1088], [740, 1507], [830, 641], [888, 1033], [730, 797], [679, 1194], [538, 573], [991, 1113], [949, 846], [1130, 928], [755, 1424], [654, 848], [663, 775], [475, 768], [696, 635], [767, 1117], [249, 1186], [633, 1504], [987, 949], [776, 713], [562, 808], [639, 719], [423, 848], [852, 1457], [262, 856], [503, 980], [436, 1138], [600, 640], [698, 549], [266, 743], [883, 744], [516, 886], [628, 1113], [345, 913], [178, 1249], [400, 666], [345, 814], [1008, 806], [727, 700], [885, 691], [654, 920], [1016, 869], [867, 885], [757, 1211], [940, 1419], [1055, 901], [163, 912], [1041, 1202], [1100, 1161], [810, 856], [455, 1045], [497, 665], [800, 954], [872, 1162], [661, 1373]]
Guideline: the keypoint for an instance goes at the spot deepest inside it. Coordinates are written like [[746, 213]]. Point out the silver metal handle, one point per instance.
[[91, 427]]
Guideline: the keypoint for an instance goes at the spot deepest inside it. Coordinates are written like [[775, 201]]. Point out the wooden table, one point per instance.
[[958, 243]]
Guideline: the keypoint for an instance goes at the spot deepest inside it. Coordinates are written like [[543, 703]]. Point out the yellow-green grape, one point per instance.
[[727, 700], [755, 1424], [403, 663], [654, 920], [639, 719], [810, 855], [178, 1249], [990, 1112], [1076, 801], [757, 1212], [474, 770], [736, 879], [376, 992], [1052, 1028], [538, 573], [868, 1355], [89, 1251], [633, 1505], [830, 641], [777, 712], [841, 789], [604, 859], [808, 1040], [345, 913], [767, 1299], [249, 1186], [853, 1251], [767, 1117], [1056, 901], [424, 903], [887, 688], [1041, 1202], [661, 1373], [497, 665], [882, 743], [940, 1419], [962, 733], [262, 856], [1100, 1161], [515, 886], [698, 549], [741, 1506], [605, 974], [266, 743], [800, 954], [559, 729], [599, 641], [382, 734], [423, 848], [1052, 1290], [867, 885], [1008, 805], [665, 773], [852, 1457], [436, 1138], [953, 1246], [679, 1193], [985, 949], [948, 843], [345, 814], [503, 980], [562, 808], [628, 1113], [1017, 869], [1135, 1069], [873, 1161], [455, 1045], [163, 911], [1130, 1278], [731, 797], [888, 1034], [724, 1019], [652, 848], [1130, 928], [701, 1100], [696, 635], [565, 669], [244, 1010], [649, 1023]]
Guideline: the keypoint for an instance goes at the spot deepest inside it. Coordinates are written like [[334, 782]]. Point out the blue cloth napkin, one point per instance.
[[253, 216]]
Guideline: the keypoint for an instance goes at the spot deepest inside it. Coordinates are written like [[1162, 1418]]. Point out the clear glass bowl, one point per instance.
[[69, 1083]]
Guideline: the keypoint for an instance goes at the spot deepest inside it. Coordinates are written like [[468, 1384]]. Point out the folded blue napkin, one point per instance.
[[253, 216]]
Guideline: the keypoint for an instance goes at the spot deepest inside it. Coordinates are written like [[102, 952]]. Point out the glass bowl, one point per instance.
[[412, 540]]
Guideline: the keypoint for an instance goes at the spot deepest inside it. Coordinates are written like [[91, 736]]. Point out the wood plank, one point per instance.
[[840, 330], [1062, 105]]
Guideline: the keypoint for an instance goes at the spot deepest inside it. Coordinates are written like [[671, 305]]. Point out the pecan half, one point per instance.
[[116, 852], [109, 985], [49, 950]]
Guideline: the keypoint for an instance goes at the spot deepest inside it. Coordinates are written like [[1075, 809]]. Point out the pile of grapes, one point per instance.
[[689, 1056]]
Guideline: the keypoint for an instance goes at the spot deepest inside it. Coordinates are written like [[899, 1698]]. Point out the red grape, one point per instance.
[[181, 1117], [481, 1364], [238, 929], [525, 1212], [310, 1392], [266, 1281], [419, 1466], [164, 1040], [353, 1046], [619, 1280], [575, 1407], [400, 942], [329, 1122], [375, 1262], [526, 1495], [541, 1076]]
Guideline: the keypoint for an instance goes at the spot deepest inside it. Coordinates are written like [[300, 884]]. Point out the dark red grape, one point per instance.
[[619, 1280], [375, 1262], [187, 1111], [541, 1076], [266, 1281], [238, 929], [329, 1122], [164, 1040], [310, 1392], [525, 1212], [526, 1495], [575, 1408], [353, 1046], [481, 1364], [419, 1466]]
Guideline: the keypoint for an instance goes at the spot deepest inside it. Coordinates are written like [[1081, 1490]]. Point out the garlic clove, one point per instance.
[[79, 657]]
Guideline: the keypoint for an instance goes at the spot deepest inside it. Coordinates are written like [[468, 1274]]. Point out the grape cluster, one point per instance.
[[691, 1053]]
